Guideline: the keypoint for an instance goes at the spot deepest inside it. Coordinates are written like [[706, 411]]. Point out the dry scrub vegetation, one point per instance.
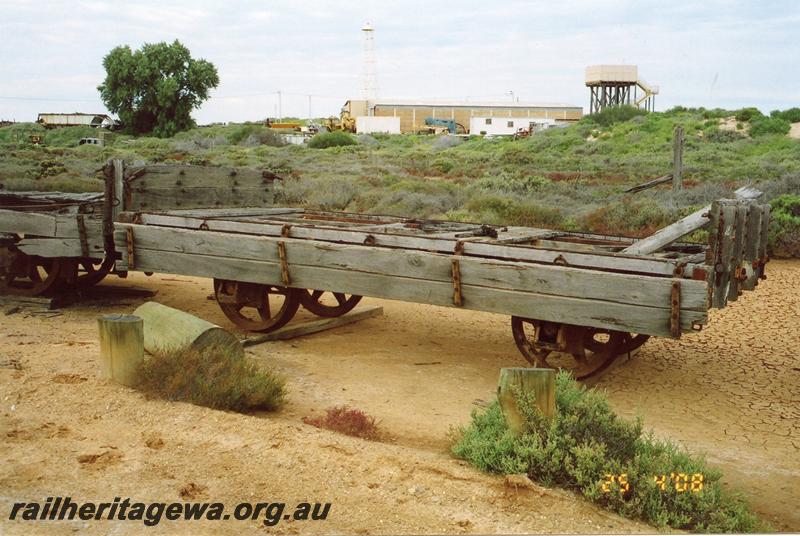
[[571, 178], [212, 377]]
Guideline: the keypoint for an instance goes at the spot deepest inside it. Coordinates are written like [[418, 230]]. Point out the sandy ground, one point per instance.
[[731, 392], [795, 131]]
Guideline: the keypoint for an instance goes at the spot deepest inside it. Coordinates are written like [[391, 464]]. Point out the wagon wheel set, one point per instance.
[[584, 351], [257, 307], [31, 275]]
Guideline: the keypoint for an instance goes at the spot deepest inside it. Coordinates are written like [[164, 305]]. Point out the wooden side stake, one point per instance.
[[284, 264], [458, 299], [675, 310], [129, 242], [537, 383]]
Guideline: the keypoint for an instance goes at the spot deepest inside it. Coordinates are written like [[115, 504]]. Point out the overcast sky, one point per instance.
[[701, 53]]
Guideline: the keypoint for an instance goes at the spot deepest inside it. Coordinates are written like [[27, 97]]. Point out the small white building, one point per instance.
[[377, 124], [507, 126], [51, 120]]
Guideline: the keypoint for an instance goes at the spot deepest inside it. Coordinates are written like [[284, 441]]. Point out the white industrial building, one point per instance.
[[372, 124], [507, 126]]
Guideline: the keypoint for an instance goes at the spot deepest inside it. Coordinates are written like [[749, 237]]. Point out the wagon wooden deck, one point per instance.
[[577, 300]]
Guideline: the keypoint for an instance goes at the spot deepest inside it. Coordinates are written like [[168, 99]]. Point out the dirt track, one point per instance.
[[731, 391]]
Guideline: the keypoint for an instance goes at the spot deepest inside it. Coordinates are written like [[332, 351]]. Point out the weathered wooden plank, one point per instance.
[[165, 187], [60, 247], [713, 251], [597, 260], [723, 269], [12, 221], [740, 231], [198, 197], [47, 224], [610, 315], [762, 247], [292, 331], [528, 277], [682, 227], [233, 212], [649, 184], [751, 246], [164, 175], [120, 201]]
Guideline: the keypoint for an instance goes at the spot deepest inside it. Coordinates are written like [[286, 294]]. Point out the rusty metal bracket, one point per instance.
[[82, 236], [458, 298], [129, 244], [679, 270], [459, 248], [285, 230], [284, 265], [675, 310]]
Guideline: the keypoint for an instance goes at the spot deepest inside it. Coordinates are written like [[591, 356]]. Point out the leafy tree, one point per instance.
[[154, 89]]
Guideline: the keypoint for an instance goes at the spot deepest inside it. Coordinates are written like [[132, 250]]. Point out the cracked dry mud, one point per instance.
[[731, 391]]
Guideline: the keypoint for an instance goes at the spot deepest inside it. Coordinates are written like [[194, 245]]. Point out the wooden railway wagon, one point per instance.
[[576, 300]]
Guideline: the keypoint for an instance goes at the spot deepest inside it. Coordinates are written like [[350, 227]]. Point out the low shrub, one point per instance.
[[506, 210], [615, 114], [791, 115], [628, 217], [504, 183], [747, 114], [762, 126], [784, 236], [324, 140], [723, 136], [589, 449], [212, 377], [348, 421]]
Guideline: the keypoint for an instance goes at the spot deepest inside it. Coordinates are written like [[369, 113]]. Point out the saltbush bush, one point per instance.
[[747, 114], [762, 126], [586, 443], [212, 377], [791, 115], [324, 140], [785, 226], [615, 114], [628, 217]]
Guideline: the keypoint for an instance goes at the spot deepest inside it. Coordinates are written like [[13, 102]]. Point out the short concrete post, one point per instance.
[[121, 347], [541, 382]]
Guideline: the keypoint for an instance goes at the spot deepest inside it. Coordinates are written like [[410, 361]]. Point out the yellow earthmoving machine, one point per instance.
[[344, 122]]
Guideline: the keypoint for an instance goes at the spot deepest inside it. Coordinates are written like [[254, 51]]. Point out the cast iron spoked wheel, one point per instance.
[[632, 342], [256, 307], [28, 275], [92, 271], [328, 304], [588, 351]]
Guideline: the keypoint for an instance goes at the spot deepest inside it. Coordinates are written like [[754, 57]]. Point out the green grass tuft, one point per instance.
[[212, 377], [584, 442]]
